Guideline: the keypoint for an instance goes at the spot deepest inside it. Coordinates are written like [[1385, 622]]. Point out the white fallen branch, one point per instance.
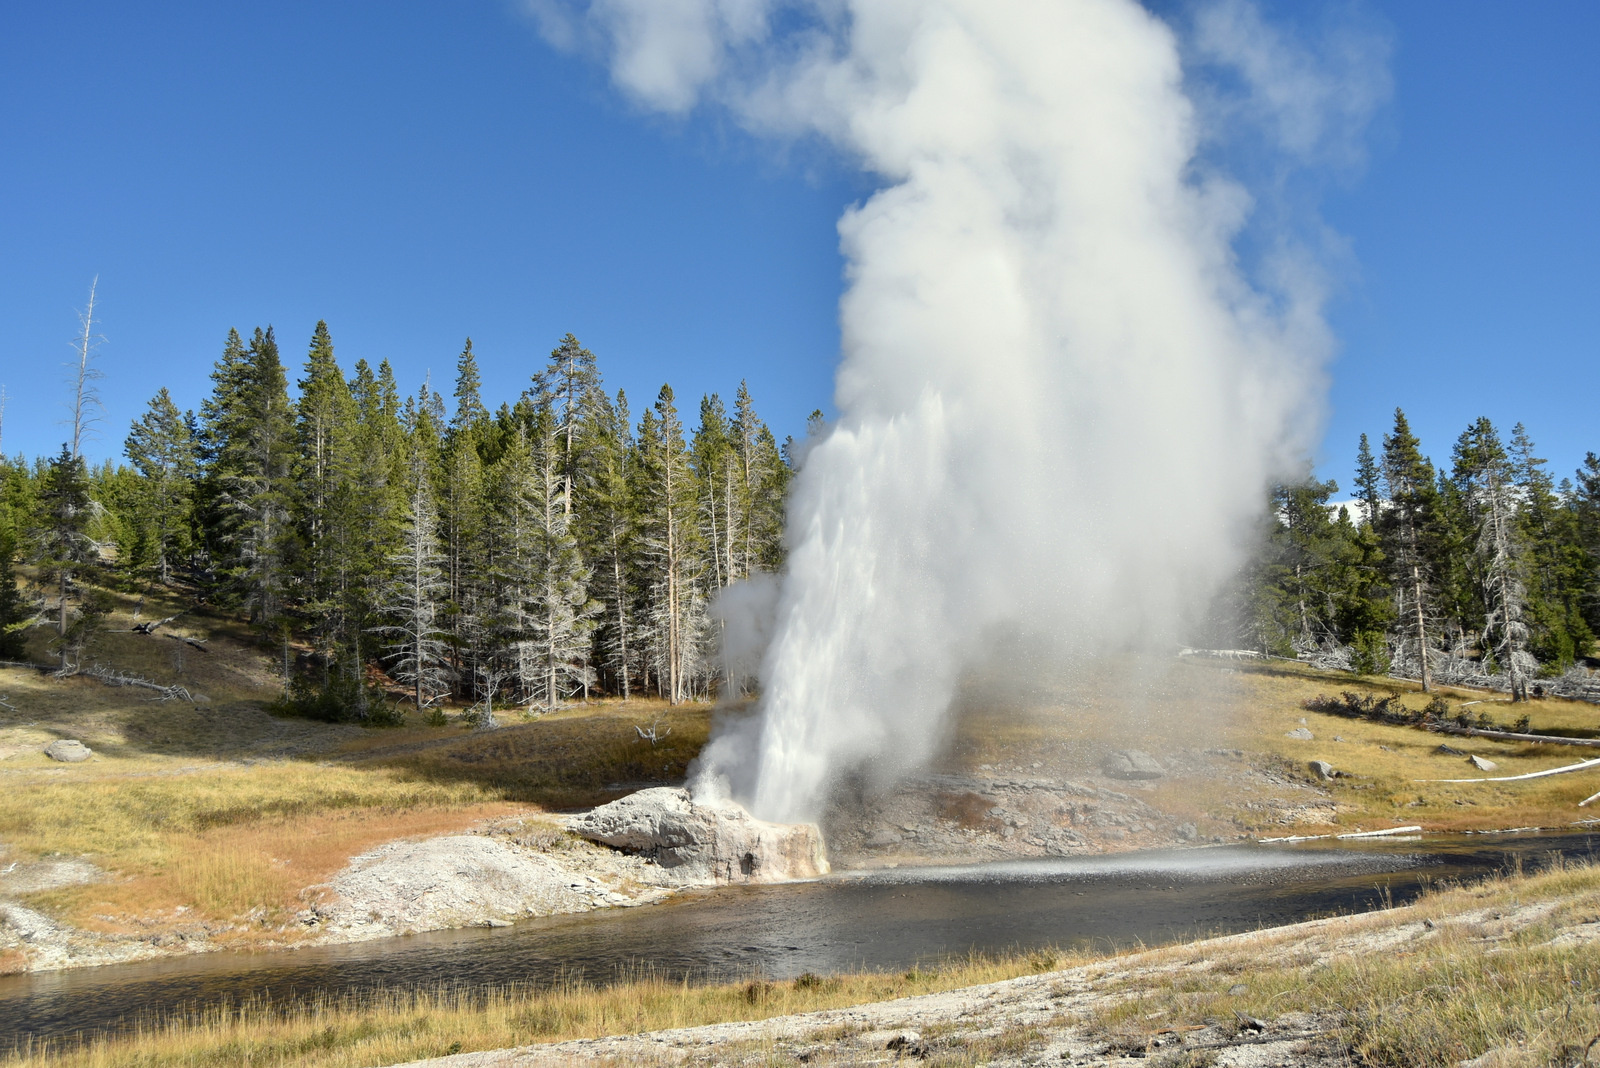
[[119, 678], [1530, 775], [1591, 797], [1380, 834]]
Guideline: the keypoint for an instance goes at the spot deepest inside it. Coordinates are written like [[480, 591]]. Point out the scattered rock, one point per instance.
[[1238, 990], [1132, 764], [68, 751], [704, 843], [1188, 831], [1324, 770], [1301, 733], [1481, 763], [880, 838], [906, 1043], [1449, 750]]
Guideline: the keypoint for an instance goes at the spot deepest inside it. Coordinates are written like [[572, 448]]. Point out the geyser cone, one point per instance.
[[704, 842]]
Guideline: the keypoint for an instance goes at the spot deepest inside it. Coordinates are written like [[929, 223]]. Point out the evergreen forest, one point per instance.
[[556, 547]]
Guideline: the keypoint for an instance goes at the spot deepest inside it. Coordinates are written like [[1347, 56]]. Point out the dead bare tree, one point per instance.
[[654, 733], [85, 394]]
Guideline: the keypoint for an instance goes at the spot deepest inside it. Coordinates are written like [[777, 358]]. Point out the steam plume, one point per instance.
[[1059, 396]]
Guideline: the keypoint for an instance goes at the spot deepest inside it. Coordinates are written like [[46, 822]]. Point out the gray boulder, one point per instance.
[[68, 751], [702, 844], [1481, 763], [1132, 764], [1323, 770], [1302, 734]]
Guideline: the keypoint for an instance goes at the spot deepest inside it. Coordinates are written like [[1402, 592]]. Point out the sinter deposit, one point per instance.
[[715, 842]]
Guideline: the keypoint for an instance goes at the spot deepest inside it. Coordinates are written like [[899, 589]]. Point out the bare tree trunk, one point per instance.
[[84, 393], [61, 622], [1422, 627], [672, 593], [622, 618]]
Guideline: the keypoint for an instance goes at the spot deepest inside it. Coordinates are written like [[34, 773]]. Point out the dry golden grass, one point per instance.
[[1474, 984]]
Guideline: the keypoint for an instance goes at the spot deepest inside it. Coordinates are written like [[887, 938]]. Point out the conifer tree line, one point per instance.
[[558, 547], [549, 548], [1485, 571]]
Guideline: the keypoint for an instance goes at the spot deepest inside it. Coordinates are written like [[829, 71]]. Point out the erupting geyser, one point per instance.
[[1060, 396]]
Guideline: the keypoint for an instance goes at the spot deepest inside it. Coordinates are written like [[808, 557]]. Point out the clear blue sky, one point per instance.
[[415, 172]]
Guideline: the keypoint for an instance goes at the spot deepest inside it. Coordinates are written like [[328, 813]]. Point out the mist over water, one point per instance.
[[1059, 396]]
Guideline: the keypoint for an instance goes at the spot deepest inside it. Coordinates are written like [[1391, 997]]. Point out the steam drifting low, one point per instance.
[[1059, 395]]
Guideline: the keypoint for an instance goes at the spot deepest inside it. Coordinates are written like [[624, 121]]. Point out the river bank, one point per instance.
[[1309, 995], [1493, 973]]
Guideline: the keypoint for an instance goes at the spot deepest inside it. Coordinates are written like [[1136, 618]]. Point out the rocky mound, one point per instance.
[[702, 844]]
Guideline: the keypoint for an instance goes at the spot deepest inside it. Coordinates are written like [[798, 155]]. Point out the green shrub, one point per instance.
[[340, 699]]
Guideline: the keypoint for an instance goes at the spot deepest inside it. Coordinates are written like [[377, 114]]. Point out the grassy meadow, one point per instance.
[[215, 812]]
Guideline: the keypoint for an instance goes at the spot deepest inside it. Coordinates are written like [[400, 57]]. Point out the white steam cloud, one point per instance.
[[1059, 396]]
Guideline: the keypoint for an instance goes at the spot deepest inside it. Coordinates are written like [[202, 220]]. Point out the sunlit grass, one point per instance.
[[1470, 984]]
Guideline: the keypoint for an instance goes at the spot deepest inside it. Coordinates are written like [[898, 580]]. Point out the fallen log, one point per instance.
[[1512, 736], [196, 642], [1530, 775]]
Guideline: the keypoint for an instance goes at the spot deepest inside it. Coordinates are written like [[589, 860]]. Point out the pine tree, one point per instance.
[[412, 596], [666, 494], [162, 448], [15, 616], [501, 623], [1555, 560], [1368, 483], [1483, 474], [247, 444], [570, 386], [325, 478], [65, 551], [1306, 549], [720, 491], [1408, 528], [559, 609], [765, 477], [1586, 509], [609, 525]]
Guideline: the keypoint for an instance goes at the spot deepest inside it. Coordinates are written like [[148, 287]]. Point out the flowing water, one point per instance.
[[891, 920]]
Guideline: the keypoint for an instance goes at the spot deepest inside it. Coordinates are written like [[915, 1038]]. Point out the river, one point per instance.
[[888, 919]]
